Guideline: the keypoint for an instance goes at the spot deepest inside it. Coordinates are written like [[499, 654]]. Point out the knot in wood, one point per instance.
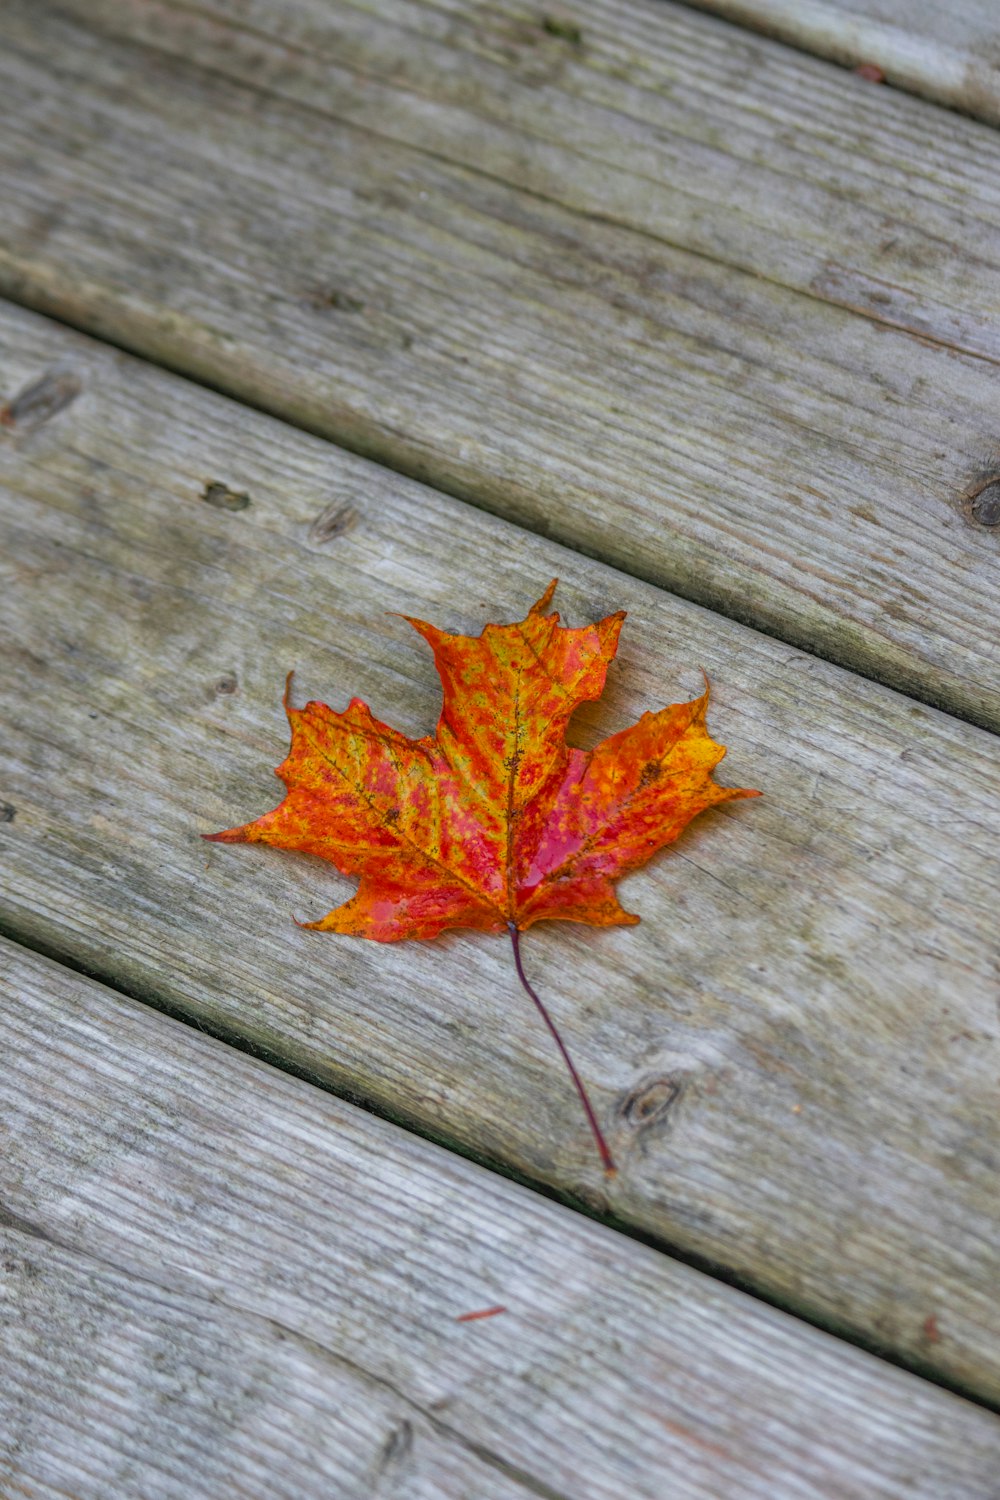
[[649, 1101], [223, 498], [986, 504], [337, 518], [42, 400], [398, 1444]]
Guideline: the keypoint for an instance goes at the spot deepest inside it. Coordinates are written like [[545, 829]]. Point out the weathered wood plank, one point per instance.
[[949, 53], [796, 1052], [123, 1378], [221, 1280], [713, 311]]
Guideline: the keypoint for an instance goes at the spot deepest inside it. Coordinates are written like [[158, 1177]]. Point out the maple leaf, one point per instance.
[[495, 822]]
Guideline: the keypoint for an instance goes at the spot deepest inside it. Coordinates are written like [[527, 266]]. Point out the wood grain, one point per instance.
[[219, 1280], [796, 1053], [948, 53], [712, 311], [123, 1377]]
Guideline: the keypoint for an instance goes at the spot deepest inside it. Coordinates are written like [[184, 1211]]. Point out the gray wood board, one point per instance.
[[220, 1281], [796, 1054], [710, 310], [949, 53]]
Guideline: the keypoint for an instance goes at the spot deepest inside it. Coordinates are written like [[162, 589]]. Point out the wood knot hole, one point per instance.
[[8, 812], [985, 505], [332, 522], [41, 401], [223, 498], [398, 1443], [226, 684], [649, 1102], [564, 28]]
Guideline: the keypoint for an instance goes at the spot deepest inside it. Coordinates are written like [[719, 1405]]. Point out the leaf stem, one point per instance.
[[602, 1145]]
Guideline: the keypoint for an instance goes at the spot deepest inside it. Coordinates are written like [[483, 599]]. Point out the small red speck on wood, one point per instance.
[[932, 1332], [483, 1312], [871, 71]]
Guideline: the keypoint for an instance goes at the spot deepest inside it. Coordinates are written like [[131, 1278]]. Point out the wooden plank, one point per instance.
[[712, 311], [131, 1380], [950, 54], [222, 1280], [795, 1054]]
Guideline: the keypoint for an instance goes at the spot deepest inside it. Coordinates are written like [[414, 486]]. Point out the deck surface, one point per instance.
[[722, 316], [319, 314], [948, 53], [268, 1270]]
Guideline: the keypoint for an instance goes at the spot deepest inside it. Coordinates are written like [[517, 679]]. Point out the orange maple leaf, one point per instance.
[[495, 822]]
